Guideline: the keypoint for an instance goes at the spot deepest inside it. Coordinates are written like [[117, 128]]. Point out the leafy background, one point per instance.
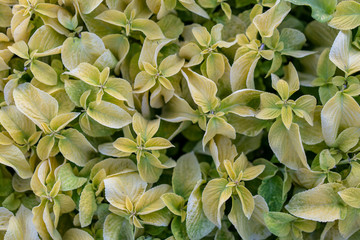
[[166, 119]]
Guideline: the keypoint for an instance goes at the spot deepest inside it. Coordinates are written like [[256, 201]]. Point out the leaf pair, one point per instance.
[[132, 20], [146, 147], [207, 47], [219, 190], [71, 143], [157, 77], [211, 111], [128, 198], [284, 134]]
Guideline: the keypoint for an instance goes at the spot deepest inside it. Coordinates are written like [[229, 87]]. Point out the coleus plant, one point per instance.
[[141, 119]]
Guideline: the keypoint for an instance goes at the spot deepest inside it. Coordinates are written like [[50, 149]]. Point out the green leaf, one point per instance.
[[186, 174], [192, 6], [287, 145], [77, 234], [43, 72], [87, 205], [87, 73], [253, 228], [350, 224], [238, 102], [145, 128], [321, 9], [45, 147], [325, 67], [113, 17], [326, 160], [287, 116], [5, 15], [75, 147], [62, 120], [197, 224], [21, 49], [270, 168], [27, 99], [118, 187], [151, 200], [5, 216], [347, 15], [267, 22], [21, 226], [344, 55], [279, 223], [173, 202], [11, 156], [159, 218], [16, 124], [157, 143], [268, 107], [215, 194], [116, 227], [242, 71], [247, 200], [87, 7], [148, 171], [85, 49], [341, 111], [108, 114], [119, 89], [148, 27], [68, 179], [351, 196], [202, 90], [272, 191], [321, 203], [178, 229], [46, 41], [217, 125], [215, 66]]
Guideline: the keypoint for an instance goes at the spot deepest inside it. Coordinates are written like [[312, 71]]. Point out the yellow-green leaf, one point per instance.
[[347, 16], [321, 203], [287, 145], [75, 147], [108, 114]]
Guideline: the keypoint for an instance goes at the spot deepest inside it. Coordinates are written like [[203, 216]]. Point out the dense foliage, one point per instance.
[[179, 119]]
